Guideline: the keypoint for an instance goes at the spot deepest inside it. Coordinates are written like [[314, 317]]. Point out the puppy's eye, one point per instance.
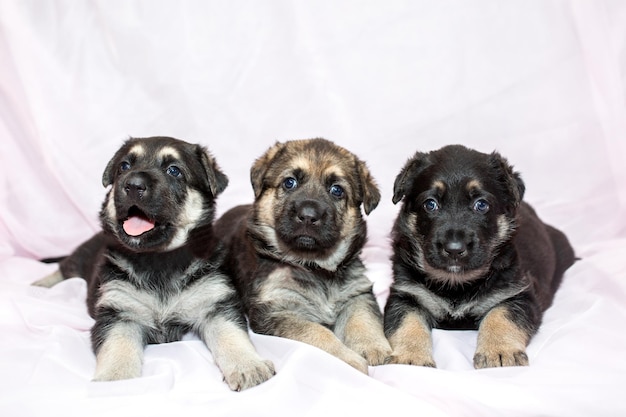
[[290, 183], [481, 206], [337, 191], [431, 205], [174, 171], [125, 166]]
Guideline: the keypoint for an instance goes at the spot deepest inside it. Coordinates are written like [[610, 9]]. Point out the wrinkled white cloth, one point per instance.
[[542, 82]]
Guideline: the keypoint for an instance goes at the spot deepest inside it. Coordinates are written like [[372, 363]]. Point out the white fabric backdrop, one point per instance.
[[540, 81]]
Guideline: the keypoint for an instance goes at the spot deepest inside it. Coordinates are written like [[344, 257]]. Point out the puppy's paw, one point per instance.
[[497, 357], [250, 374], [376, 352], [120, 356], [117, 373], [416, 357], [411, 342], [353, 359], [501, 342], [49, 280]]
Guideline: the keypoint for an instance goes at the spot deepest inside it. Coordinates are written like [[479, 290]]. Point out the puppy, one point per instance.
[[295, 252], [468, 253], [152, 274]]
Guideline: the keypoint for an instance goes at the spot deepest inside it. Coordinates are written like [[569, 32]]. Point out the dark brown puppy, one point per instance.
[[468, 253], [295, 251], [152, 275]]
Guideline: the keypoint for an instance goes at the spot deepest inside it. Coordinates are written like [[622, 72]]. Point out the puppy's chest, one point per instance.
[[163, 297], [318, 298], [446, 308]]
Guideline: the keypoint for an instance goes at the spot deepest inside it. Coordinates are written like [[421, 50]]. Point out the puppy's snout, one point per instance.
[[136, 186], [455, 248], [455, 244], [310, 212]]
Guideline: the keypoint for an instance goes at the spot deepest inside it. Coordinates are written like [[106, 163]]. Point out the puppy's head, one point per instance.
[[162, 189], [308, 198], [459, 207]]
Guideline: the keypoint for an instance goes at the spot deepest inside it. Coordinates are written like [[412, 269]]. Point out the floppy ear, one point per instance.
[[216, 178], [369, 192], [407, 175], [258, 171], [510, 180], [109, 172]]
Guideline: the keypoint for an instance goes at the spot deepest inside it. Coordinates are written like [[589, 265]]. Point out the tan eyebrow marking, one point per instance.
[[440, 186], [137, 150], [473, 185], [168, 151]]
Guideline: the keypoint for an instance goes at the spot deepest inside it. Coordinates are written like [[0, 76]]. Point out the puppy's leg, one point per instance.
[[293, 327], [81, 263], [411, 341], [501, 342], [49, 280], [235, 354], [119, 350], [360, 326]]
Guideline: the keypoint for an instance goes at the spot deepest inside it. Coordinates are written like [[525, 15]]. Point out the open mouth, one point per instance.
[[137, 222]]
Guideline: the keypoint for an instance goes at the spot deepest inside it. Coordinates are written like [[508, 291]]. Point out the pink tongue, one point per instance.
[[135, 225]]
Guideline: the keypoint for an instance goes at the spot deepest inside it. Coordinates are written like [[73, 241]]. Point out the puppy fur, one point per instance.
[[152, 272], [468, 253], [295, 252]]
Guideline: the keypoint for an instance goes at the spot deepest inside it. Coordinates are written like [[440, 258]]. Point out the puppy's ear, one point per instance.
[[370, 194], [408, 174], [109, 173], [218, 181], [108, 176], [510, 180], [258, 171]]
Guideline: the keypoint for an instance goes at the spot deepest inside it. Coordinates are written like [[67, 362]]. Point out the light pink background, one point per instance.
[[540, 81]]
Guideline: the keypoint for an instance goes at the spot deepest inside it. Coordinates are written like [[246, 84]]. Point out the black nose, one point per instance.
[[455, 248], [309, 212], [136, 186]]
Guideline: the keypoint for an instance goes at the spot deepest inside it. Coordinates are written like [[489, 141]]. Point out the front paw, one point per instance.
[[353, 359], [376, 352], [120, 355], [412, 342], [498, 356], [117, 371], [250, 374], [501, 342], [415, 357]]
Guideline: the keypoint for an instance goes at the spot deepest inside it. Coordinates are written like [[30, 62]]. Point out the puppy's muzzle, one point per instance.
[[310, 212], [308, 225], [455, 244], [137, 192], [136, 185], [455, 248]]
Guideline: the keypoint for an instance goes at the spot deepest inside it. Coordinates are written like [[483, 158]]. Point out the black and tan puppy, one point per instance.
[[468, 253], [295, 252], [151, 274]]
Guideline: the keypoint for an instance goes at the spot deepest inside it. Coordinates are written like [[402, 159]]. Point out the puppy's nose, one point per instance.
[[135, 186], [309, 212], [455, 248]]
